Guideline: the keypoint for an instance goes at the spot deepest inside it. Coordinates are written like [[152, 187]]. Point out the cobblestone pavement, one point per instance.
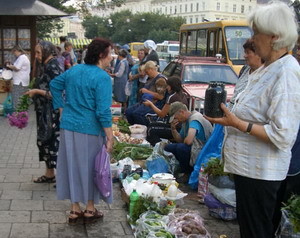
[[31, 210]]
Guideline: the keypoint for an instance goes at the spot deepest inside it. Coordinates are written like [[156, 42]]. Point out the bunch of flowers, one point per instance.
[[19, 118]]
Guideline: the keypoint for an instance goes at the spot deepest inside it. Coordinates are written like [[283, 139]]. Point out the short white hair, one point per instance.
[[278, 19]]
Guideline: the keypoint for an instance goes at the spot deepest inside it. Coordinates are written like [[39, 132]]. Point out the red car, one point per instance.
[[197, 72]]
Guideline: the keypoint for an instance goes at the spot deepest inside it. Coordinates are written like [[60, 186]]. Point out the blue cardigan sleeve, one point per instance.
[[57, 86], [103, 96]]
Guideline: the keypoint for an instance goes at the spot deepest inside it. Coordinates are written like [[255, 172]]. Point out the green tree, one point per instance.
[[95, 27], [123, 27], [45, 27]]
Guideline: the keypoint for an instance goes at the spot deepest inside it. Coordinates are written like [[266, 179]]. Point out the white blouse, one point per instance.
[[272, 99]]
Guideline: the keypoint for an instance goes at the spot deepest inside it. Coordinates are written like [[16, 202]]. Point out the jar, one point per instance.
[[215, 94]]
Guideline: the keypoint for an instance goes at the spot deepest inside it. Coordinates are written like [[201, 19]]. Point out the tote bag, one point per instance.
[[44, 122], [8, 105], [103, 179]]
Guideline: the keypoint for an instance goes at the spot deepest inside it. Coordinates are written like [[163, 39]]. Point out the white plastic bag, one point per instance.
[[138, 131], [128, 88], [224, 195]]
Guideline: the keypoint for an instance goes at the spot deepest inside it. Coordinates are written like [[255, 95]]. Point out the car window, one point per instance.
[[162, 64], [173, 69], [208, 73]]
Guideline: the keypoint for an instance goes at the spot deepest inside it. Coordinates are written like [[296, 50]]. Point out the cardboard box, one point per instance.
[[141, 163], [124, 196]]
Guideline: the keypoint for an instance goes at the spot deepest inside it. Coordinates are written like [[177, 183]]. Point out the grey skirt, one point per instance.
[[75, 166]]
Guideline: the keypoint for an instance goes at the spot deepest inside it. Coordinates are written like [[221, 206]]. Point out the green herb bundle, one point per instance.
[[215, 167], [24, 103], [293, 208], [135, 152], [147, 204], [123, 126]]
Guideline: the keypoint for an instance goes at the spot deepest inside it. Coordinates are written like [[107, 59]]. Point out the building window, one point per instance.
[[185, 7], [196, 19], [166, 10], [180, 8], [170, 10], [203, 6], [234, 8], [191, 20], [250, 8], [191, 7], [13, 34], [197, 7], [175, 9], [242, 9], [226, 6], [218, 6]]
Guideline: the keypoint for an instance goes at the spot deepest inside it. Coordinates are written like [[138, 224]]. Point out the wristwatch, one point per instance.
[[249, 128]]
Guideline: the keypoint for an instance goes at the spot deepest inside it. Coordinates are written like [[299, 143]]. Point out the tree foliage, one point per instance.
[[45, 27], [123, 27]]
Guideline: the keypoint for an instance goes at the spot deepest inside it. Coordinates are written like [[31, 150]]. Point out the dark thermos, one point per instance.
[[215, 94]]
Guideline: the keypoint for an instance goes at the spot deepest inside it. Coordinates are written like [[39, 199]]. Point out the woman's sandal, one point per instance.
[[44, 179], [73, 220], [95, 215]]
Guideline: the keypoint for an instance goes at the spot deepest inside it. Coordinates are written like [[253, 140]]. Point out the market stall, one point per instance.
[[149, 188], [18, 27]]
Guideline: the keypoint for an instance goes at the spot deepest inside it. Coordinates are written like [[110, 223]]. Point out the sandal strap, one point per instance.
[[91, 212], [44, 179], [75, 213]]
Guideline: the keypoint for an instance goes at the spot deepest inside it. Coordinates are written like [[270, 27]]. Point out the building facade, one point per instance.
[[193, 10], [72, 28]]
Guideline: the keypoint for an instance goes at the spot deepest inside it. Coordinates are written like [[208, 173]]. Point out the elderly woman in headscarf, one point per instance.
[[47, 118], [150, 51]]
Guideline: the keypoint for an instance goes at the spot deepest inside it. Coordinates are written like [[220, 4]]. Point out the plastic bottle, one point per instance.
[[215, 94], [133, 198], [172, 190]]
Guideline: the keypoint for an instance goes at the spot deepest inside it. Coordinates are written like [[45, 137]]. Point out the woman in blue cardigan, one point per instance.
[[84, 96]]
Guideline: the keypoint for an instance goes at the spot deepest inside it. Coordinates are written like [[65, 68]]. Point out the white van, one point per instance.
[[167, 50]]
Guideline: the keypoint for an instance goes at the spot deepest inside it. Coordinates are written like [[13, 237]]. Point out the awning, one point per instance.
[[29, 8], [77, 43]]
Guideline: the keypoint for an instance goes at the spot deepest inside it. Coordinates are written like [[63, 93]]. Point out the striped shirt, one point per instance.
[[272, 99]]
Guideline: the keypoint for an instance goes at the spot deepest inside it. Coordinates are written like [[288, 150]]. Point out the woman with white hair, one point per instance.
[[262, 126], [150, 51]]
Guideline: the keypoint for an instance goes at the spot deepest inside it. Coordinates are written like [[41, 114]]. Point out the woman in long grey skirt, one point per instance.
[[85, 126]]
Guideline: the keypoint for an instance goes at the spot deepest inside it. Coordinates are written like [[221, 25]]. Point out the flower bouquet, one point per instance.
[[19, 118]]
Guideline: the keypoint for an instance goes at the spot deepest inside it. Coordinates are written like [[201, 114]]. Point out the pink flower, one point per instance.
[[18, 119]]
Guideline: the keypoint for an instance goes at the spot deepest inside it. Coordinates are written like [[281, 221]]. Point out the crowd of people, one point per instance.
[[261, 122]]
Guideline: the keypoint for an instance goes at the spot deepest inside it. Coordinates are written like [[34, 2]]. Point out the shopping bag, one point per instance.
[[102, 178], [285, 228], [8, 105], [45, 122]]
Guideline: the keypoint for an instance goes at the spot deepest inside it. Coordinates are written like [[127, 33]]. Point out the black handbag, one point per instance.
[[44, 122]]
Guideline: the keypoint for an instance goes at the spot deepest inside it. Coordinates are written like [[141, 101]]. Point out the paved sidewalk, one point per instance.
[[31, 210]]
